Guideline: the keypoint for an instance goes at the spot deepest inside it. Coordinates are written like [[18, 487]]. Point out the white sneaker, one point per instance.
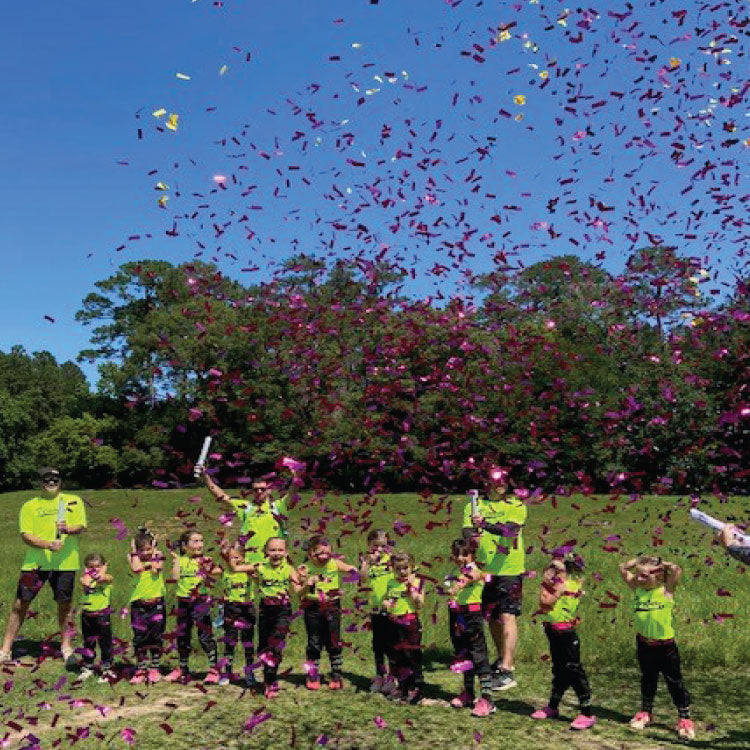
[[107, 676], [85, 673], [5, 657]]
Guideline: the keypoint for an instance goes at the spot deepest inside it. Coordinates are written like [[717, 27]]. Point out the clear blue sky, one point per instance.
[[613, 145]]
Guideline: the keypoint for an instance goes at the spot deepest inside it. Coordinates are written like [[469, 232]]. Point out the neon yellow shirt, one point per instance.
[[148, 585], [259, 523], [38, 517], [378, 576], [330, 586], [567, 605], [402, 604], [96, 596], [652, 609], [498, 555], [238, 587], [192, 580], [469, 594], [273, 583]]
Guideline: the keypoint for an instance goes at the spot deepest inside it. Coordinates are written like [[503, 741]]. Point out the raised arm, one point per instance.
[[672, 573], [626, 571], [549, 593], [415, 593], [216, 491]]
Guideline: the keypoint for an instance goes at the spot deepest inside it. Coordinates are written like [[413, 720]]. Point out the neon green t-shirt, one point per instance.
[[469, 594], [378, 576], [498, 555], [259, 523], [96, 596], [273, 583], [238, 587], [149, 585], [402, 604], [330, 585], [567, 605], [38, 517], [192, 580], [652, 609]]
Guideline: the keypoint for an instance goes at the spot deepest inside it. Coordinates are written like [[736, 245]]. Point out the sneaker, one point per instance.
[[107, 676], [464, 700], [176, 675], [312, 683], [212, 678], [139, 677], [225, 679], [69, 657], [153, 675], [483, 707], [545, 713], [272, 691], [5, 657], [685, 729], [503, 680], [377, 685], [85, 673], [583, 722], [641, 720], [336, 684]]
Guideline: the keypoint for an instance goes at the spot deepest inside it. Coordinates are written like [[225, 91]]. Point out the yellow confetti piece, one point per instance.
[[544, 74], [223, 69], [356, 45], [519, 99], [162, 186], [159, 112], [163, 201], [173, 121], [503, 35], [674, 62], [746, 142], [370, 92], [182, 76]]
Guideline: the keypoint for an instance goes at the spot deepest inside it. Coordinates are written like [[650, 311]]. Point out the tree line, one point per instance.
[[574, 378]]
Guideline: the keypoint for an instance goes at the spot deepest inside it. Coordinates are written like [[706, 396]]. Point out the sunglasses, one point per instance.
[[51, 480]]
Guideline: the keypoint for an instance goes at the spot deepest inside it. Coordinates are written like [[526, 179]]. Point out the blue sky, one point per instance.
[[591, 161]]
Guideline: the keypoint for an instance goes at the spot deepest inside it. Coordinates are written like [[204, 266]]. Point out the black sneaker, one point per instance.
[[503, 680]]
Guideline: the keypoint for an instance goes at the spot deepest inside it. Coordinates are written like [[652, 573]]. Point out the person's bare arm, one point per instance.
[[626, 571], [216, 491], [415, 593], [672, 573], [549, 593], [35, 541]]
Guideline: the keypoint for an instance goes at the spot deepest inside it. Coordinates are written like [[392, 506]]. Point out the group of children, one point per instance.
[[395, 596]]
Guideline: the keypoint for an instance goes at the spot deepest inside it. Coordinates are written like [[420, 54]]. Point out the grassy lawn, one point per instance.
[[40, 700]]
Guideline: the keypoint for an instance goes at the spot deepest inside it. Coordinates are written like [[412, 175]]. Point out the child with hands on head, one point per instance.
[[195, 575], [464, 586], [653, 582], [559, 597], [147, 609], [96, 624], [375, 573], [320, 590], [403, 600]]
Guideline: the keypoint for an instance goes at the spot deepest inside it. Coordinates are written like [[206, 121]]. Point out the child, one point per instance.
[[147, 610], [276, 578], [653, 582], [375, 572], [464, 586], [321, 605], [403, 600], [194, 574], [239, 614], [96, 626], [559, 597]]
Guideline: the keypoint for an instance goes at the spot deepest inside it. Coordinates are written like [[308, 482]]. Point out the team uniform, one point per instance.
[[194, 608], [467, 633], [275, 616], [258, 524], [378, 576], [38, 517], [321, 608], [96, 625], [565, 648], [148, 617], [656, 648], [239, 617], [406, 630]]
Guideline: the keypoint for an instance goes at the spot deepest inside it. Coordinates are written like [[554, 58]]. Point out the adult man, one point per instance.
[[49, 524], [261, 517], [497, 526]]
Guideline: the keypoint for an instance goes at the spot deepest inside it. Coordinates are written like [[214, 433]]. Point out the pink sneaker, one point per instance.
[[139, 677], [545, 713], [464, 700], [153, 675], [583, 722], [175, 675], [483, 708], [640, 720], [272, 690], [685, 729], [212, 677]]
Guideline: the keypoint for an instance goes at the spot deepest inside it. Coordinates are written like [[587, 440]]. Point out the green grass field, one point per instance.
[[42, 701]]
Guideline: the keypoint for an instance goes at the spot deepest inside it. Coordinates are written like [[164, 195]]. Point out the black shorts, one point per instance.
[[31, 582], [501, 595]]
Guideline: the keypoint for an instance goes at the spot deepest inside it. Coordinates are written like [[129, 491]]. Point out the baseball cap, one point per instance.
[[49, 471]]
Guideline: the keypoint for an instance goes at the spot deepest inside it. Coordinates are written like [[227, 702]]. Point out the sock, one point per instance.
[[485, 685], [184, 663], [337, 663], [683, 713], [155, 660]]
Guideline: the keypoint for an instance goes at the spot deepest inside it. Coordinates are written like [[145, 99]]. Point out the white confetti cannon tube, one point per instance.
[[60, 516], [714, 523], [474, 498], [200, 463]]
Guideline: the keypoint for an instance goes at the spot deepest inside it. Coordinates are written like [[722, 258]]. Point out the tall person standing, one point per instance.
[[49, 524], [497, 524]]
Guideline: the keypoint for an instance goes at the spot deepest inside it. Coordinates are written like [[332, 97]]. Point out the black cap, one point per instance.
[[49, 471]]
